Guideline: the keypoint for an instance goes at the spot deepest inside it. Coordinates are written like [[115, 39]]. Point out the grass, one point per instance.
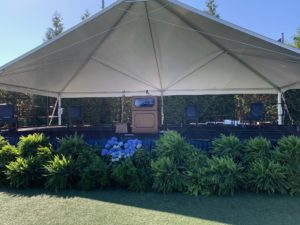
[[36, 206]]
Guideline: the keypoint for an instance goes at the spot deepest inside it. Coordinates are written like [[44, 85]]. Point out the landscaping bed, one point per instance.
[[173, 166]]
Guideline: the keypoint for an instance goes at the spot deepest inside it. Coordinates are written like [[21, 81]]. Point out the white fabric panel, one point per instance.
[[41, 78], [130, 49], [180, 51], [102, 79], [224, 73], [281, 72]]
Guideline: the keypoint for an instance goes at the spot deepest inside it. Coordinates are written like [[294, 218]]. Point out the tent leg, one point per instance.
[[122, 107], [279, 109], [59, 111], [162, 109]]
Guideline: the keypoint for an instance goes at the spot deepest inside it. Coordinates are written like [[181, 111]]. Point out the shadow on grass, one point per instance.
[[243, 208]]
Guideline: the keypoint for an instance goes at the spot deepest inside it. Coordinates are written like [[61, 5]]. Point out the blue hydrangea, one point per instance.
[[114, 139], [104, 152], [118, 149]]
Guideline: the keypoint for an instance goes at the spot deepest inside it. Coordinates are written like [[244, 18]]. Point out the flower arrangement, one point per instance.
[[119, 149]]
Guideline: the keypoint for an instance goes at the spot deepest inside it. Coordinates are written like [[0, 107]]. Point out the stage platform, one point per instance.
[[200, 136]]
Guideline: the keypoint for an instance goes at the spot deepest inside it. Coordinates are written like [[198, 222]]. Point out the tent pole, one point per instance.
[[279, 108], [122, 107], [162, 109], [59, 111]]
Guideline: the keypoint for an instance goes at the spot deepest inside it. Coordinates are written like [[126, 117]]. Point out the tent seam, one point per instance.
[[155, 51]]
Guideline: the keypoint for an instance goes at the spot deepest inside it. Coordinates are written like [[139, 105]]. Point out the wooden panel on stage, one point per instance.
[[145, 122], [145, 115]]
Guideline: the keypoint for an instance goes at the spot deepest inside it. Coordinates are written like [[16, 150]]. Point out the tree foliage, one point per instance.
[[85, 15], [57, 27], [297, 39], [212, 8]]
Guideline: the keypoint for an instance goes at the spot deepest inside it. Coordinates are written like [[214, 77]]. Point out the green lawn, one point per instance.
[[122, 207]]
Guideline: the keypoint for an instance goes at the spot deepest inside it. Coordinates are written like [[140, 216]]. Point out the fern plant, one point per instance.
[[22, 172], [141, 158], [81, 153], [30, 144], [59, 173], [174, 157], [94, 175], [294, 183], [84, 157], [34, 150], [287, 153], [142, 161], [166, 176], [173, 146], [3, 142], [195, 159], [267, 177], [8, 153], [125, 174], [223, 175], [195, 173], [258, 148], [227, 146], [71, 145], [197, 182]]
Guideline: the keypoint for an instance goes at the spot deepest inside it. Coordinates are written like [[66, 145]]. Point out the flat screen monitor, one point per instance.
[[144, 102]]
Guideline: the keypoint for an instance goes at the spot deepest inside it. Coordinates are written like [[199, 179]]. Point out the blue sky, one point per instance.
[[24, 22]]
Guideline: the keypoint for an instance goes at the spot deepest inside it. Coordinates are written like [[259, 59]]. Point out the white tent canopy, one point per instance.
[[165, 47]]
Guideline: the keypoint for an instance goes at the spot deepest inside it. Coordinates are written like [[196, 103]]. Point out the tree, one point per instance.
[[85, 15], [57, 27], [212, 8], [297, 39]]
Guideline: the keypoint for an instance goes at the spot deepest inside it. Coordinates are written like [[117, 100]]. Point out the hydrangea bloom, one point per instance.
[[119, 149]]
